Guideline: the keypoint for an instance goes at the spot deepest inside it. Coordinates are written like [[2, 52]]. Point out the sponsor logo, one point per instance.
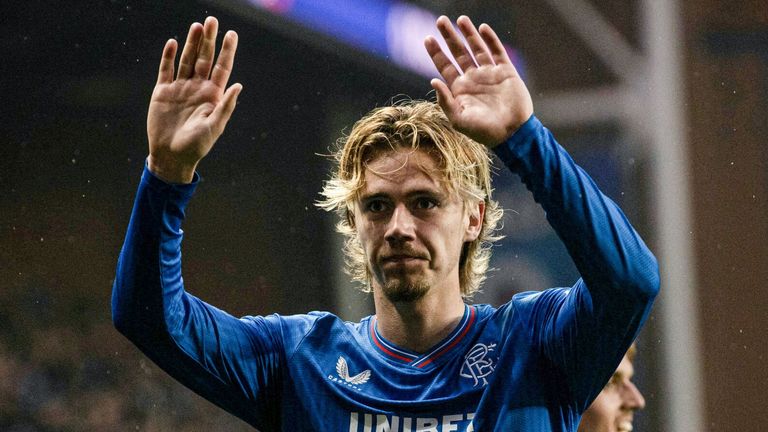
[[343, 370], [346, 379], [369, 422], [478, 364]]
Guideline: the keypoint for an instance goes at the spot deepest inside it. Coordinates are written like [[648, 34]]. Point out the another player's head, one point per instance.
[[412, 145], [614, 407]]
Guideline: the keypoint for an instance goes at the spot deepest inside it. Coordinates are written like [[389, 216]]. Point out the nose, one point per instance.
[[400, 226], [632, 398]]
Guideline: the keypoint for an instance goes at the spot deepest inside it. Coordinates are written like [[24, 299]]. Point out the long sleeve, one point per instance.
[[232, 362], [586, 329]]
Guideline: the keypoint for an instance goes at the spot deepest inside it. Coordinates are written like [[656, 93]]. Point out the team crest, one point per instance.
[[477, 364], [343, 370]]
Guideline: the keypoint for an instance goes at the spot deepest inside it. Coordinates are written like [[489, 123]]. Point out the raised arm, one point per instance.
[[232, 362], [584, 330], [189, 110]]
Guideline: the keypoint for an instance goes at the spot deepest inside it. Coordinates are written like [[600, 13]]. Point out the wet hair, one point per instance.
[[464, 163]]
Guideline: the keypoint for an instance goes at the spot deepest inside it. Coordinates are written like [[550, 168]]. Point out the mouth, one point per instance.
[[625, 426], [402, 259]]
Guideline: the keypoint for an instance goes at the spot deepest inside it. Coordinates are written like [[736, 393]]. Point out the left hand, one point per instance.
[[188, 112], [484, 98]]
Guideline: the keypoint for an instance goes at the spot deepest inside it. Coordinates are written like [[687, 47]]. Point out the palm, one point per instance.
[[486, 100], [178, 121], [190, 107], [482, 96]]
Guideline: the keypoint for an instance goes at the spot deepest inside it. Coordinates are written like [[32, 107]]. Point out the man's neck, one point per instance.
[[418, 325]]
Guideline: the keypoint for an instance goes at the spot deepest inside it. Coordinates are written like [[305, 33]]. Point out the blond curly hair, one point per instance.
[[465, 164]]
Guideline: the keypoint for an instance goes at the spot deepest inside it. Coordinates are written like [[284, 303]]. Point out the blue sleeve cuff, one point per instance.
[[506, 150], [182, 191]]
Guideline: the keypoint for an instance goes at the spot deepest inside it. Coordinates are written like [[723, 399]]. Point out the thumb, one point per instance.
[[223, 111], [445, 98]]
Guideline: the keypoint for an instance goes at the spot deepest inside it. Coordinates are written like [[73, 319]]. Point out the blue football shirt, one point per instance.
[[533, 364]]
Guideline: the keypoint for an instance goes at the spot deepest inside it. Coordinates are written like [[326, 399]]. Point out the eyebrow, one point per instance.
[[441, 195]]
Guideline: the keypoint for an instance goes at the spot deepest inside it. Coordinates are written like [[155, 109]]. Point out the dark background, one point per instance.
[[76, 81]]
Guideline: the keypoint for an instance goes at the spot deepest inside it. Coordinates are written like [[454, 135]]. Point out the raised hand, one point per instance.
[[188, 112], [484, 98]]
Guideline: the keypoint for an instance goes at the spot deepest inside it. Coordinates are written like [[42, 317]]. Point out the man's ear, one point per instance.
[[476, 214], [350, 218]]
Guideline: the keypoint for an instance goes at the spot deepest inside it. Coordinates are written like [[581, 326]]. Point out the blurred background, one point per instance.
[[664, 102]]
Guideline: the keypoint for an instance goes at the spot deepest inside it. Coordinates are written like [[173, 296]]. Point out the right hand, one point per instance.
[[187, 114], [483, 95]]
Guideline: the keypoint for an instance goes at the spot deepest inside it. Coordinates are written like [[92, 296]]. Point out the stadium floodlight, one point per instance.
[[390, 30]]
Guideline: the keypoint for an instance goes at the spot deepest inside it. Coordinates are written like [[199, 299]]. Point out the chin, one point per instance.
[[398, 290]]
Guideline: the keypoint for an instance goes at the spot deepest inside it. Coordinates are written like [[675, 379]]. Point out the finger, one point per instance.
[[223, 67], [223, 111], [476, 43], [207, 48], [455, 44], [188, 54], [165, 74], [442, 62], [492, 41], [445, 99]]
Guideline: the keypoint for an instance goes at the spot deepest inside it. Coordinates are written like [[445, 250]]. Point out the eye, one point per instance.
[[425, 203], [375, 206]]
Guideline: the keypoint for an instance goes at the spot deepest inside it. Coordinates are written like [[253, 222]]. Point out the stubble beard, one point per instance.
[[401, 288]]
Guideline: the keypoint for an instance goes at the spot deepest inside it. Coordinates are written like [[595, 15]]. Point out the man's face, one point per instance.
[[614, 407], [411, 228]]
